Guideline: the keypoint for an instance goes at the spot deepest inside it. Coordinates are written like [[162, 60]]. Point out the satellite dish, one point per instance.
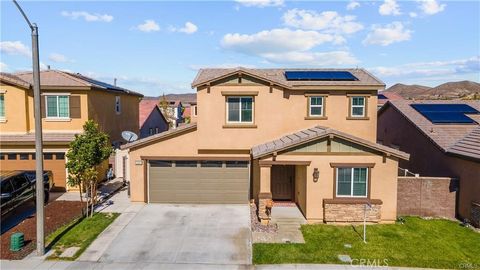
[[129, 136]]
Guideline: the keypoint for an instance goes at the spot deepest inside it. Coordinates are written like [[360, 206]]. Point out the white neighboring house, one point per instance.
[[174, 113]]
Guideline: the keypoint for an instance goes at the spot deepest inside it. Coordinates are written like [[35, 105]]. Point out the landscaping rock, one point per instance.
[[345, 258]]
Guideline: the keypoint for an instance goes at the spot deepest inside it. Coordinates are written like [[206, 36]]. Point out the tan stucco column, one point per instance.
[[265, 195]]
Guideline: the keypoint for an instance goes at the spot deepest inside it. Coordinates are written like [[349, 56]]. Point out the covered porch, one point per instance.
[[283, 185]]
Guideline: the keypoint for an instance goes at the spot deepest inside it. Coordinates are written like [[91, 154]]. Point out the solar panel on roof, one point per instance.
[[446, 113], [319, 76]]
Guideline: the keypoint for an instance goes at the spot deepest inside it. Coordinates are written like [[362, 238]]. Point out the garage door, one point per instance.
[[190, 181]]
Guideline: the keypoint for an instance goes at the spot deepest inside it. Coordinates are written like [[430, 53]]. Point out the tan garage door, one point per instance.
[[198, 181]]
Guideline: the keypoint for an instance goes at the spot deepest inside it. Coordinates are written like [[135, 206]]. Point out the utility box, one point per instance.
[[16, 241]]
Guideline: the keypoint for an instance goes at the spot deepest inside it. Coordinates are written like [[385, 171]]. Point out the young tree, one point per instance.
[[87, 151], [166, 110]]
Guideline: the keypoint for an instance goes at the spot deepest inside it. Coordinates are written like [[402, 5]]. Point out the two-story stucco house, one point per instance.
[[305, 136], [68, 100]]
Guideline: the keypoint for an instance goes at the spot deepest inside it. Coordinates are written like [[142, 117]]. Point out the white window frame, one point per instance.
[[4, 117], [240, 110], [46, 106], [358, 106], [118, 105], [310, 106], [351, 183]]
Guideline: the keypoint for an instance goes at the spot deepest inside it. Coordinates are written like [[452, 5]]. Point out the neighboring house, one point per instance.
[[68, 100], [262, 135], [174, 113], [190, 111], [151, 119], [443, 140], [385, 96]]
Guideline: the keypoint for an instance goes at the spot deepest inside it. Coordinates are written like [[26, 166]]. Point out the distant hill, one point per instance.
[[184, 98], [449, 90]]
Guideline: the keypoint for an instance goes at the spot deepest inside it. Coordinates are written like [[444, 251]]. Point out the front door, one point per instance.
[[283, 177]]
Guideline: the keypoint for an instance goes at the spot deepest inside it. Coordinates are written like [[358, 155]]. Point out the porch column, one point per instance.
[[265, 195]]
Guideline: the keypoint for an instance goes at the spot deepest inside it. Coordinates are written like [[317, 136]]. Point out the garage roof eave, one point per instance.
[[160, 136]]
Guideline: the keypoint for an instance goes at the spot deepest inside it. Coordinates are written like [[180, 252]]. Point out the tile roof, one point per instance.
[[146, 107], [277, 76], [30, 138], [308, 135], [12, 79], [56, 78], [385, 96], [451, 138], [159, 136]]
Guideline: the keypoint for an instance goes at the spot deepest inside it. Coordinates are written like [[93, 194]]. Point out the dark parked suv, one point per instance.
[[18, 187]]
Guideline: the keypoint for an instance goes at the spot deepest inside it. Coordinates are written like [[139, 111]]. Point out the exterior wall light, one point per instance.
[[316, 175]]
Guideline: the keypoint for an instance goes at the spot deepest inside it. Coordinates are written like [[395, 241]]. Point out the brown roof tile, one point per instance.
[[30, 138], [145, 108], [307, 135], [277, 76], [449, 137]]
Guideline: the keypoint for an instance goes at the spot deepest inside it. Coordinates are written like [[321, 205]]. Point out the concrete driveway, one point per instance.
[[184, 234]]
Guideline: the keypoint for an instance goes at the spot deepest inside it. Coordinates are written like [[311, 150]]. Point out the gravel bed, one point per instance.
[[256, 225]]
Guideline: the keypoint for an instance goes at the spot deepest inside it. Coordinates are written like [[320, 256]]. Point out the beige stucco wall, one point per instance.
[[49, 125], [101, 108], [383, 182], [275, 114], [15, 109]]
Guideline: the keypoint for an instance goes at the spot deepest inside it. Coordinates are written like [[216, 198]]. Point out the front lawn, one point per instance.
[[79, 233], [416, 243]]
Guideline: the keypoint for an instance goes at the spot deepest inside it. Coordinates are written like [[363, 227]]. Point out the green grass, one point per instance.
[[416, 243], [79, 233]]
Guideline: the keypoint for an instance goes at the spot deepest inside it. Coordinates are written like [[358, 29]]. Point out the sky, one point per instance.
[[157, 47]]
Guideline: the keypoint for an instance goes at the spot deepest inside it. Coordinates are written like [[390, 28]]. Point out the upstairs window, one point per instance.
[[118, 107], [2, 106], [357, 108], [316, 106], [352, 182], [239, 109], [195, 110], [57, 106]]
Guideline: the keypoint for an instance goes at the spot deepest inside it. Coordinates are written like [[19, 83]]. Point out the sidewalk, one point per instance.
[[105, 190]]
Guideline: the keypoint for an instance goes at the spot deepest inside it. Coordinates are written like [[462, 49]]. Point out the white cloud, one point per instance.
[[413, 14], [389, 7], [276, 41], [189, 28], [388, 34], [431, 7], [328, 21], [43, 66], [3, 67], [14, 48], [433, 68], [353, 5], [261, 3], [333, 58], [89, 17], [148, 26], [58, 58], [289, 47]]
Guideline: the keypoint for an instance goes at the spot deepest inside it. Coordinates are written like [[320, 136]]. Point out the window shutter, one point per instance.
[[75, 111], [42, 106]]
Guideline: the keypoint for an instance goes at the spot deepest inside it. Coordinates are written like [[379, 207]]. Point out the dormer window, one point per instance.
[[240, 109]]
